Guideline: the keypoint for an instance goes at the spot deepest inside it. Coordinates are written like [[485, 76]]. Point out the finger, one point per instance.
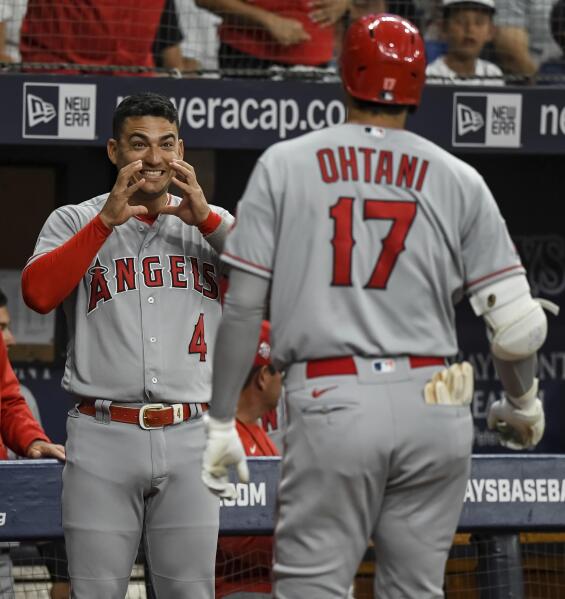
[[127, 172], [219, 486], [442, 393], [60, 453], [182, 184], [55, 451], [169, 209], [228, 492], [139, 210], [468, 382], [429, 394], [34, 453], [492, 416], [184, 168], [243, 470], [323, 20], [456, 384], [131, 189]]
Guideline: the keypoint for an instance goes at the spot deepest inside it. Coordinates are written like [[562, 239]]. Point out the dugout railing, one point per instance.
[[512, 503]]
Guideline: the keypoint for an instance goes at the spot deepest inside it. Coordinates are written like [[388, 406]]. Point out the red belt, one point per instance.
[[346, 365], [149, 416]]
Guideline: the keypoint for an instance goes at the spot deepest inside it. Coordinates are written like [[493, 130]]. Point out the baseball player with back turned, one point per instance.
[[137, 273], [367, 234]]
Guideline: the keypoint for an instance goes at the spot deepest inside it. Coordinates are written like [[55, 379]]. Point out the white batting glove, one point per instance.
[[223, 449], [451, 386], [519, 420]]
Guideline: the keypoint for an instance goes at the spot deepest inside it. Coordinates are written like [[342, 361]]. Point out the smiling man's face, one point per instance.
[[153, 140]]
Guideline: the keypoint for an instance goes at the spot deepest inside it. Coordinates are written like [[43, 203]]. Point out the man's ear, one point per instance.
[[112, 150], [261, 377]]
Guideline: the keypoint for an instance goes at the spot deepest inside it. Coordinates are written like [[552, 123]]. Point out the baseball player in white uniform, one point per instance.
[[366, 235], [137, 272]]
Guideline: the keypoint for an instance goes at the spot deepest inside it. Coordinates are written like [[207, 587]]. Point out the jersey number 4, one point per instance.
[[197, 343], [401, 213]]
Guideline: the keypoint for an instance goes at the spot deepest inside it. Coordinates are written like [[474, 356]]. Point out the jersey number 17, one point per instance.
[[401, 213]]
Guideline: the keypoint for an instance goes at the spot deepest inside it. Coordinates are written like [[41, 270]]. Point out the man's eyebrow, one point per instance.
[[145, 138]]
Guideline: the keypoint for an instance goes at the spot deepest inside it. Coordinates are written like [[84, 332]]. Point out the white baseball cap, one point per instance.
[[485, 3]]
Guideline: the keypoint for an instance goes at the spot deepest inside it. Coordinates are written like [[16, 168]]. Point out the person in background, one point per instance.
[[467, 27], [11, 16], [10, 340], [96, 33], [260, 35], [522, 39], [243, 563], [554, 69], [22, 433], [52, 552], [201, 44]]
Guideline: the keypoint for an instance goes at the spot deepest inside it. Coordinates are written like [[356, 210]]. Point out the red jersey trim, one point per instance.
[[494, 274]]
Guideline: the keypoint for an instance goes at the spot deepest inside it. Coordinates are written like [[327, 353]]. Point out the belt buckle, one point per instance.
[[145, 408]]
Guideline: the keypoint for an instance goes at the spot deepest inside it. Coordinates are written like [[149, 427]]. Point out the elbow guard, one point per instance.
[[516, 322]]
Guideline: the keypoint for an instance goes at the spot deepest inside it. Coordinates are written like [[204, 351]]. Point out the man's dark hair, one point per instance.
[[557, 21], [143, 104], [254, 369], [3, 299], [376, 108]]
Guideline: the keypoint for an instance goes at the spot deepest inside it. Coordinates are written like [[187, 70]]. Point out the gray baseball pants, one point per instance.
[[120, 480], [367, 459]]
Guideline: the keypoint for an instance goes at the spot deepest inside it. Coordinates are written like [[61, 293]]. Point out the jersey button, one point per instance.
[[153, 339], [151, 300], [154, 379], [140, 229]]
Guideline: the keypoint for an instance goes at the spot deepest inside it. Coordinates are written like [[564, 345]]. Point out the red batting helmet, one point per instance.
[[383, 60], [263, 353]]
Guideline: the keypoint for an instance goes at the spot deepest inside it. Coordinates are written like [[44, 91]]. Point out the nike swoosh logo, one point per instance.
[[317, 392], [253, 449]]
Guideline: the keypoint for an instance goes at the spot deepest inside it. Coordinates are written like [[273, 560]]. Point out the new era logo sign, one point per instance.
[[39, 111], [468, 120], [488, 120], [59, 111]]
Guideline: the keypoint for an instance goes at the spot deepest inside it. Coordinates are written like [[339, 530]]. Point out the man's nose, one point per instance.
[[153, 155], [9, 338]]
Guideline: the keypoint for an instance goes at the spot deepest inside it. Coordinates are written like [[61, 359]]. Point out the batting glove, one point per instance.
[[519, 420], [451, 386], [223, 449]]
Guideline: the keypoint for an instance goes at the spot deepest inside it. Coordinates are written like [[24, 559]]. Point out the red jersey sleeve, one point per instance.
[[51, 277], [18, 427]]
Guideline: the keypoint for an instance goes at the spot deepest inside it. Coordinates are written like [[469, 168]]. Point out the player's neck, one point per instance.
[[387, 121], [153, 204], [249, 409]]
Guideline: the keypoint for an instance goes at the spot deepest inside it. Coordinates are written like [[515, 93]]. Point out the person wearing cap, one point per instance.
[[467, 27], [243, 563]]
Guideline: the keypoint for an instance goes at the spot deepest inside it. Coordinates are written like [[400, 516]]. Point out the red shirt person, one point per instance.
[[93, 32], [19, 430], [243, 563]]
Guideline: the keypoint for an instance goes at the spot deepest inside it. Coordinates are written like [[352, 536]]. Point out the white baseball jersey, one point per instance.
[[142, 321], [372, 235], [438, 72]]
